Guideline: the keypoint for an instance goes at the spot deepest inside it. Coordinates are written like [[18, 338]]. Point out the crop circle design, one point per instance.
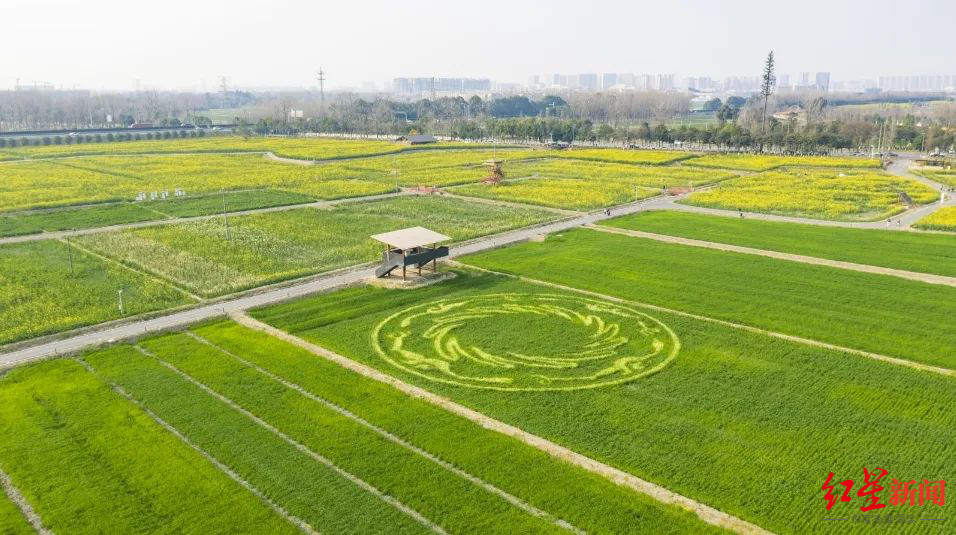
[[525, 342]]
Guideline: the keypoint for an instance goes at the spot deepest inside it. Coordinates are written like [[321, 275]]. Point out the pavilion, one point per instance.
[[415, 246]]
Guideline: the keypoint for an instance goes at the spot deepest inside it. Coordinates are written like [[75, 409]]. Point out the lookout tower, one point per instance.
[[495, 174], [415, 246]]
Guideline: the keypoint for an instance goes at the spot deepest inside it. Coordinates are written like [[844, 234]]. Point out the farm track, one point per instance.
[[301, 524], [791, 338], [6, 484], [863, 268], [704, 512], [513, 500], [418, 517]]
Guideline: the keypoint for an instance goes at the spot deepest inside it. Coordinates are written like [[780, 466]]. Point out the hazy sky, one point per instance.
[[180, 44]]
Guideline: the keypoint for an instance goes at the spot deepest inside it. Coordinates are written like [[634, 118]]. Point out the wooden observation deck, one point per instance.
[[415, 246]]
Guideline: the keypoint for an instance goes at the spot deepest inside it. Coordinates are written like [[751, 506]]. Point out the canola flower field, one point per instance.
[[764, 162], [818, 194], [943, 219]]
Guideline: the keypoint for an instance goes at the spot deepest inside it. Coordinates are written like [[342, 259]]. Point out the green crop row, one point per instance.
[[878, 313], [455, 504], [89, 462], [291, 478], [922, 252], [585, 500], [740, 421]]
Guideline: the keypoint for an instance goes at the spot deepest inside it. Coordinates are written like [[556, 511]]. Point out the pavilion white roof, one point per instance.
[[408, 238]]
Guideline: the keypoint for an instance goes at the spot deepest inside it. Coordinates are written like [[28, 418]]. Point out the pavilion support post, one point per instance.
[[403, 264]]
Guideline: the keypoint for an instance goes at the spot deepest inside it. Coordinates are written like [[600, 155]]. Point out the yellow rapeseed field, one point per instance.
[[817, 194]]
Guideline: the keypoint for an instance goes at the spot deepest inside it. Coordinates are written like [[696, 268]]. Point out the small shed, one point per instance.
[[414, 246], [420, 139]]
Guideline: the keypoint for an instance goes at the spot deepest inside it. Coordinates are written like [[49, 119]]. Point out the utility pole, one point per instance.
[[321, 86], [223, 88], [225, 218], [69, 249]]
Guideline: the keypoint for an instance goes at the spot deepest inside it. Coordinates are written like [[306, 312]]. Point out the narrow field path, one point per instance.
[[59, 234], [272, 156], [21, 502], [513, 500], [289, 517], [704, 512], [791, 338], [315, 456], [863, 268]]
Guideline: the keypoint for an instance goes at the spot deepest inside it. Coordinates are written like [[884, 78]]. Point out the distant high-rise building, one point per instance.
[[804, 78], [823, 81], [608, 80], [418, 86], [783, 81], [588, 82]]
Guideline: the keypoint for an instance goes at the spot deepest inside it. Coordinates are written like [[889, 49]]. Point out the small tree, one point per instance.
[[767, 85]]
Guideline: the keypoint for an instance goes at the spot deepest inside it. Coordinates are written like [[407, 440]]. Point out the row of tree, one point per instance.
[[97, 138]]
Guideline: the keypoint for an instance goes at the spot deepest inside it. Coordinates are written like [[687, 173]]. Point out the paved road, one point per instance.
[[318, 284]]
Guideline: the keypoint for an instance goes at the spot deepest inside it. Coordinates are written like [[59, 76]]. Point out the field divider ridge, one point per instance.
[[789, 337], [321, 459], [298, 522], [513, 500], [928, 278], [134, 269], [21, 502], [704, 512]]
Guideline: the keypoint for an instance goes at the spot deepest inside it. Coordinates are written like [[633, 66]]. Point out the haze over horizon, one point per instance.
[[175, 44]]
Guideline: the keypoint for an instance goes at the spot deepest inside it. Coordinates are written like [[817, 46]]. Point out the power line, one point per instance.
[[321, 86]]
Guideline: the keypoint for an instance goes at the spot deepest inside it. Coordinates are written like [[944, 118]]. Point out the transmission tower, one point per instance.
[[321, 86]]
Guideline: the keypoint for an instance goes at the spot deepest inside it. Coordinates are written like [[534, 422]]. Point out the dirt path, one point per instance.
[[6, 484], [272, 156], [791, 338], [863, 268], [704, 512]]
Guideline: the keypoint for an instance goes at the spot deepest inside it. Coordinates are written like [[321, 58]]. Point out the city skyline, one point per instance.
[[100, 44]]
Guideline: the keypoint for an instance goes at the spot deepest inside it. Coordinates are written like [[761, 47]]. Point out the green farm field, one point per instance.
[[40, 295], [877, 313], [713, 422], [910, 251], [339, 452], [817, 194], [102, 215], [271, 247]]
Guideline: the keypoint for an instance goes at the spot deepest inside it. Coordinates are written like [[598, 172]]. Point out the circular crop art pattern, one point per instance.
[[521, 341]]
